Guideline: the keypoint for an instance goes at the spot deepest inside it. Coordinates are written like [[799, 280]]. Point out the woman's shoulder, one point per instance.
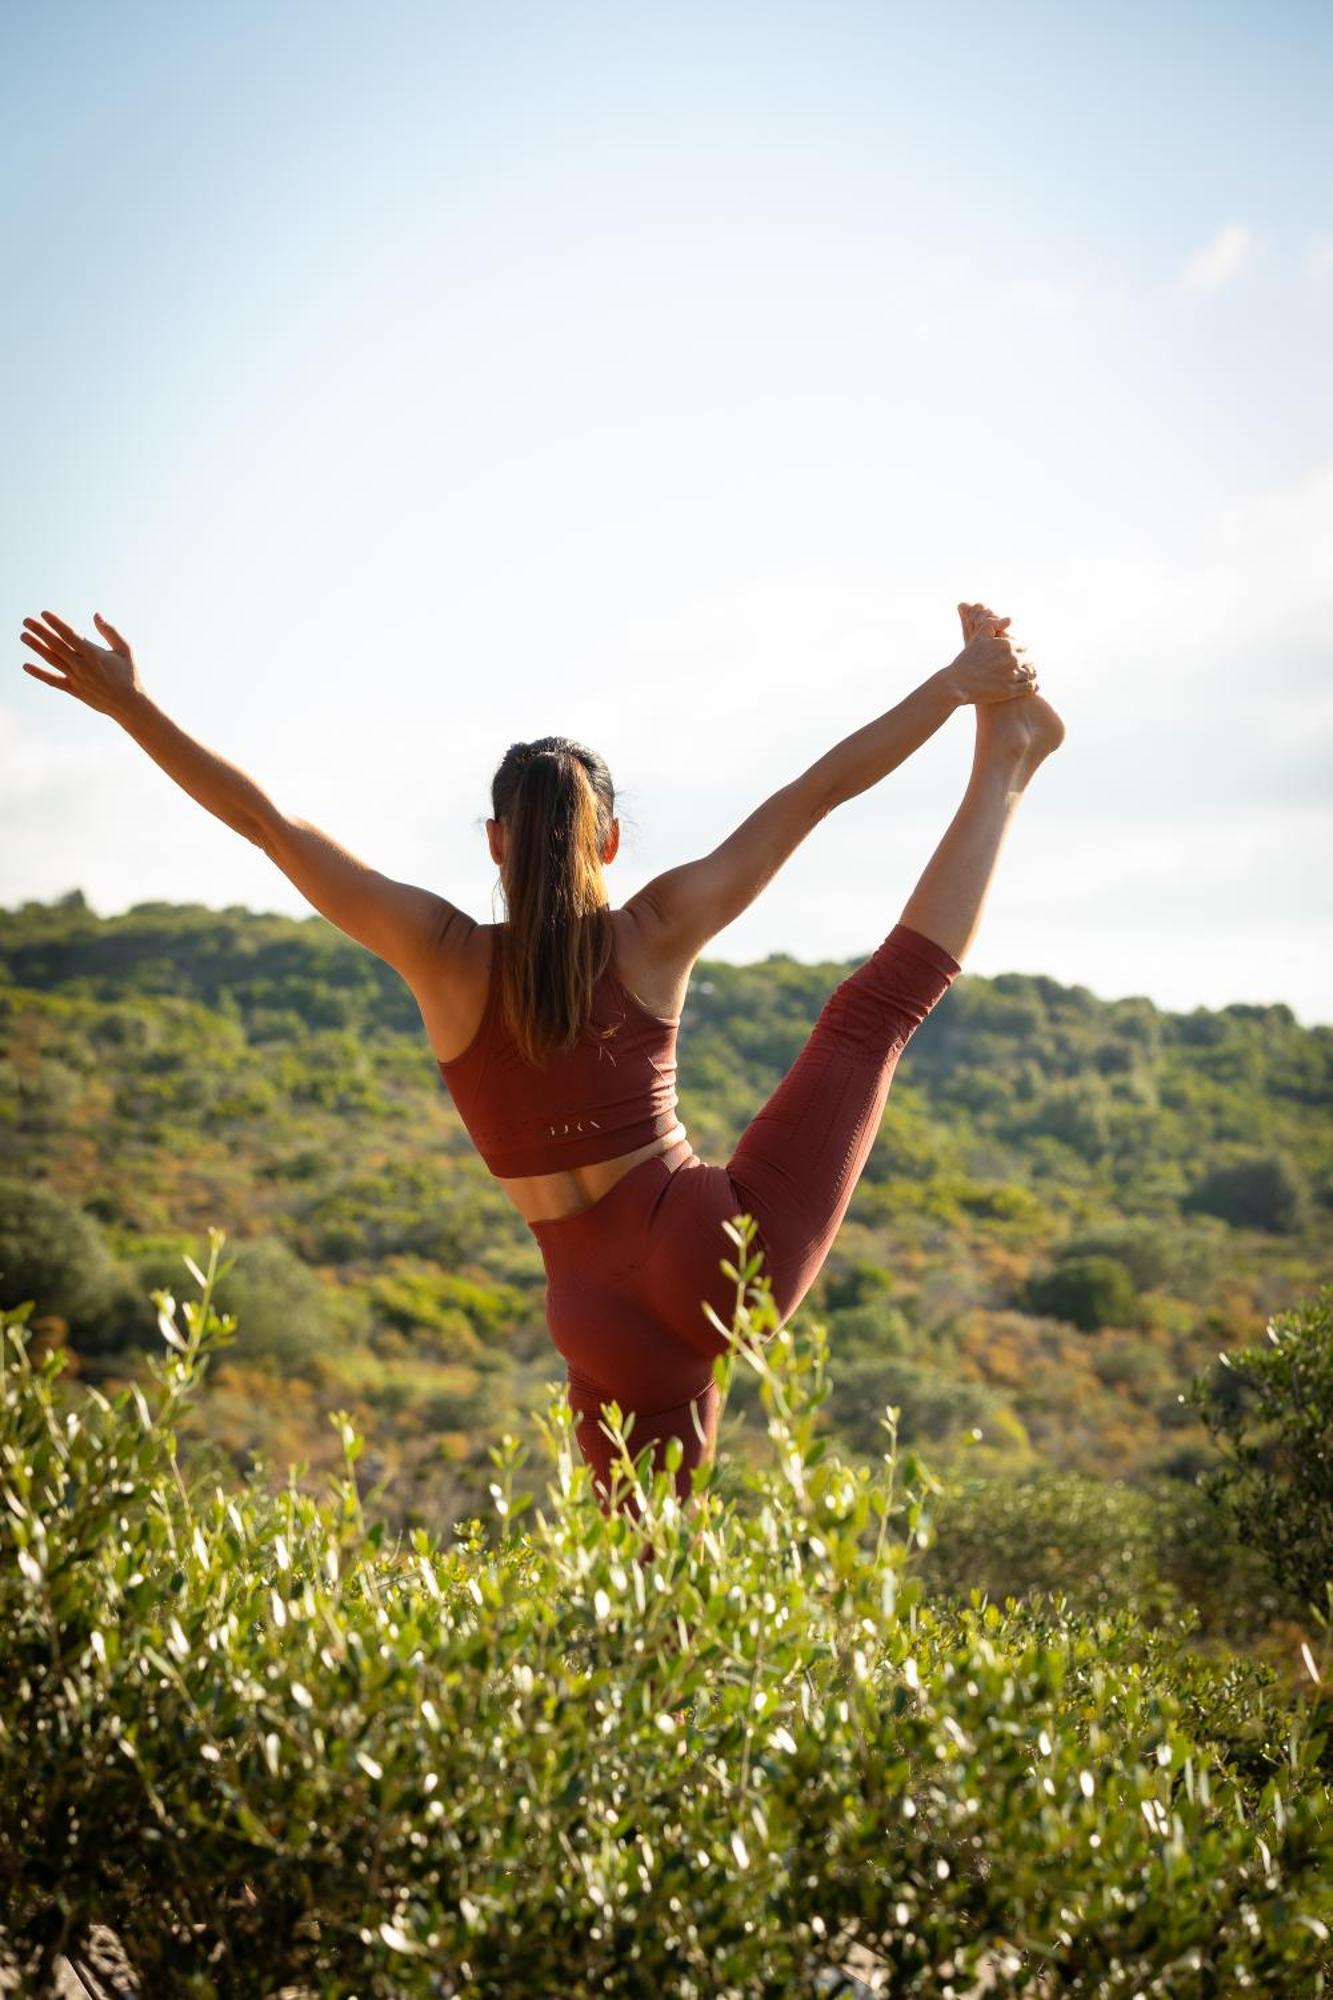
[[658, 986], [455, 1006]]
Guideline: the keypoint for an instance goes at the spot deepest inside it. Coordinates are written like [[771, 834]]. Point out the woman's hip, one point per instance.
[[629, 1281]]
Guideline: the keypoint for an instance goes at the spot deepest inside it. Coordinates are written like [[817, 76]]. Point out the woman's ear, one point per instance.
[[612, 848], [495, 840]]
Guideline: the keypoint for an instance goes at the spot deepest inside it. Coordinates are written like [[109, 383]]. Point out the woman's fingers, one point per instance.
[[67, 632], [52, 658], [38, 637], [974, 616], [52, 680], [45, 648], [93, 673], [111, 633]]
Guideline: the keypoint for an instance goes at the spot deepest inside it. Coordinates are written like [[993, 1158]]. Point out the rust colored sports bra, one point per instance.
[[608, 1095]]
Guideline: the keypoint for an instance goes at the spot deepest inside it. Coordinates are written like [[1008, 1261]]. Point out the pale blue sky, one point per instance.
[[404, 379]]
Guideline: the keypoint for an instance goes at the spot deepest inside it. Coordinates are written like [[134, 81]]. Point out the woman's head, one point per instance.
[[554, 827]]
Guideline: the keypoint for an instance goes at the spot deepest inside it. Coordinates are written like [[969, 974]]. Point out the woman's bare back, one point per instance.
[[452, 1010]]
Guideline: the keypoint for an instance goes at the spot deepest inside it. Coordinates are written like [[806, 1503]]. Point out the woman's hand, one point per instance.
[[103, 677], [990, 667], [980, 618]]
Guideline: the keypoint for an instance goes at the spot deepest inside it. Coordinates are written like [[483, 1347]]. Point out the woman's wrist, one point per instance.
[[221, 788], [127, 704], [949, 682], [869, 754]]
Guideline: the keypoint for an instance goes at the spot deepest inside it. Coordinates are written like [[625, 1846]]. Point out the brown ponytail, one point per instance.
[[556, 800]]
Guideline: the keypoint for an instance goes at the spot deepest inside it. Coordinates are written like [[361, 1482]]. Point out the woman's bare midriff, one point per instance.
[[551, 1197]]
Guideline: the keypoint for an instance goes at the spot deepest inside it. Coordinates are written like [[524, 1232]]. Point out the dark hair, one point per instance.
[[557, 802]]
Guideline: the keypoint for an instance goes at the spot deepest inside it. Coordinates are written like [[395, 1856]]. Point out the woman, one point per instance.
[[555, 1031]]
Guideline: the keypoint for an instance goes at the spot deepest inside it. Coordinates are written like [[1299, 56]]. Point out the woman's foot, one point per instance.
[[1021, 733]]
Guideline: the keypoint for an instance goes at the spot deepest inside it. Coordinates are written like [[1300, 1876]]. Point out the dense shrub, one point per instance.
[[279, 1300], [1261, 1191], [1154, 1253], [1158, 1551], [51, 1254], [1062, 1534], [935, 1407], [1269, 1408], [855, 1283], [1077, 1113], [287, 1315], [697, 1752], [130, 1318], [1089, 1292]]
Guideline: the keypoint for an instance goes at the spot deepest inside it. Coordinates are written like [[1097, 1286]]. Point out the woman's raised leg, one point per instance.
[[1013, 737], [799, 1160]]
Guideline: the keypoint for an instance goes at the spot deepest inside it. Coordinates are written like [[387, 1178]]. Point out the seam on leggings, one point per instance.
[[577, 1380], [857, 1132], [795, 1207], [674, 1409], [793, 1252], [643, 1416]]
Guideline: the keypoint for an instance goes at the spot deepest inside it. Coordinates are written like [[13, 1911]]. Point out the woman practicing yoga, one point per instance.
[[555, 1031]]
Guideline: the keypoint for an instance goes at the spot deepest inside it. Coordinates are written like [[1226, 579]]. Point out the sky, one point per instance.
[[406, 379]]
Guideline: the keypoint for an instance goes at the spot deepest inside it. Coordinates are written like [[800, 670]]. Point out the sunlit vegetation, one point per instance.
[[994, 1647], [1073, 1206], [715, 1751], [1270, 1411]]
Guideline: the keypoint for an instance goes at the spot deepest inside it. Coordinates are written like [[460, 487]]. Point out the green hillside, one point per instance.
[[1073, 1204]]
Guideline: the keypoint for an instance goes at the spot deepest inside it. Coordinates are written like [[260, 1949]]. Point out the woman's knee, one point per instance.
[[873, 1014]]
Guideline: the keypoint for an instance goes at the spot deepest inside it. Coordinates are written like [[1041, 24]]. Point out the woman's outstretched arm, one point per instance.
[[400, 923], [682, 909]]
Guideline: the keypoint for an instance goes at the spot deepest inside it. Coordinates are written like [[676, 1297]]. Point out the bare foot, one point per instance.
[[1021, 732]]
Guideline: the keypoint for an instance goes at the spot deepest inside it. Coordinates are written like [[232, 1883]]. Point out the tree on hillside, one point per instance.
[[1269, 1410], [278, 1301], [1260, 1191], [51, 1253], [1089, 1292]]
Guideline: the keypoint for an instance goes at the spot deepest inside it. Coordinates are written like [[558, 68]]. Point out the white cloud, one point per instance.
[[1218, 262]]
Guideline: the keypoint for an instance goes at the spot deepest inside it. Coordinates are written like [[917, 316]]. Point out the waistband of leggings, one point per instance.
[[598, 1212]]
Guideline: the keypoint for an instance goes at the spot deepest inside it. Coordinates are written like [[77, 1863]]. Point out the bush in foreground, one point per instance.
[[697, 1753], [1269, 1409]]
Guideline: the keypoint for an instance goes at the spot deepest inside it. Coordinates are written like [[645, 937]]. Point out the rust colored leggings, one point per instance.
[[628, 1277]]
